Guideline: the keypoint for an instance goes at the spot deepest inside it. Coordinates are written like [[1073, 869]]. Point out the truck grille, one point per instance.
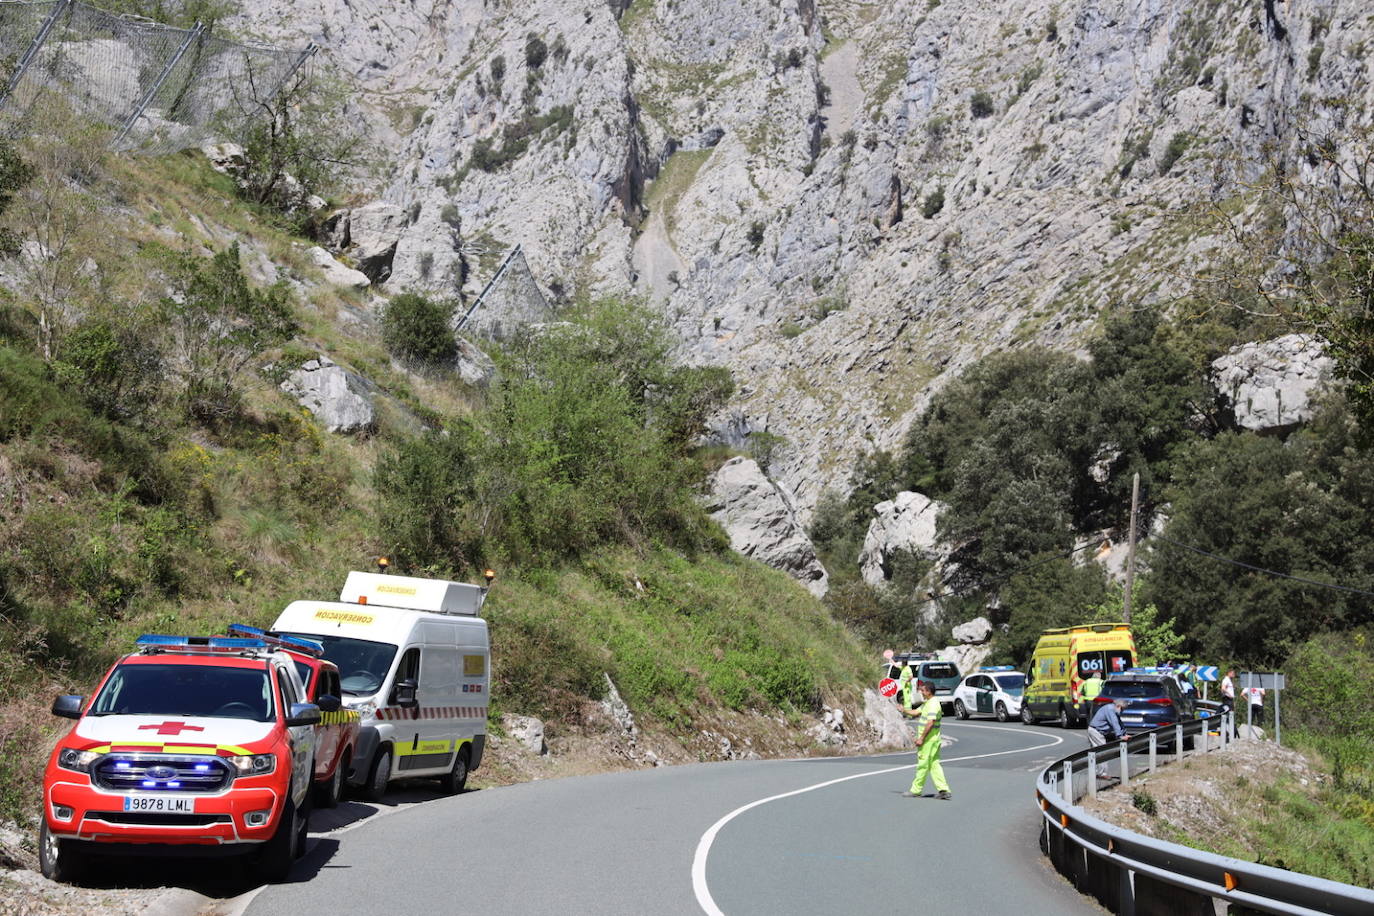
[[153, 819], [161, 773]]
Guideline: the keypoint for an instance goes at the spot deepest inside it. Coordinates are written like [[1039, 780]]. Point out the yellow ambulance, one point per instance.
[[1064, 658]]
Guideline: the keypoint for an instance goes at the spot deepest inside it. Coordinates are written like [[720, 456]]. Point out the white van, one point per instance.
[[414, 661]]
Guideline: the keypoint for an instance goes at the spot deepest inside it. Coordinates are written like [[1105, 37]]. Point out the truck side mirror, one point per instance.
[[68, 706], [405, 693], [303, 714], [328, 702]]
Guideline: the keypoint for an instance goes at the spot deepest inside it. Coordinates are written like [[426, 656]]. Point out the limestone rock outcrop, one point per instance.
[[1270, 385], [335, 273], [342, 401], [904, 523], [762, 524]]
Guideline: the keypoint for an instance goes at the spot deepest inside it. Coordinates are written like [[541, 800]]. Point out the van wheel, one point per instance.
[[1002, 712], [59, 860], [1064, 720], [378, 776], [1027, 716], [453, 782], [277, 854], [327, 794], [960, 710]]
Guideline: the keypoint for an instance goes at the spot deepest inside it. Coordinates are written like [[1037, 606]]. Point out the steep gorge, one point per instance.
[[844, 202]]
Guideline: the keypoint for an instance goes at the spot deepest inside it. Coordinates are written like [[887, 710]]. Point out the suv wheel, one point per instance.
[[327, 794], [277, 854], [1027, 716], [59, 860], [1002, 712], [960, 710]]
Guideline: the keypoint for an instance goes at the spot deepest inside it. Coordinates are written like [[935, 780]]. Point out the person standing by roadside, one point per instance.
[[1254, 695], [1228, 697], [904, 680], [1089, 691], [928, 745], [1105, 726]]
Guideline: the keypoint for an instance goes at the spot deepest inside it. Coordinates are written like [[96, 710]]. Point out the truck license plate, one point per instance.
[[161, 803]]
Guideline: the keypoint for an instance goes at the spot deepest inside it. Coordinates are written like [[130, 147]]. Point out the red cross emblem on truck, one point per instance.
[[172, 728]]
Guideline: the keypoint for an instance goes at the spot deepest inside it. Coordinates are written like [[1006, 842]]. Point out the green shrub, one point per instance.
[[417, 329], [115, 369], [536, 51], [427, 495], [934, 203], [15, 172], [1144, 802], [980, 105], [218, 324], [498, 69], [1178, 145]]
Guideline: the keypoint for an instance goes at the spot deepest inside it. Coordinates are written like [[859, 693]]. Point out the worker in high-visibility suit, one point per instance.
[[1090, 690], [928, 745], [908, 685]]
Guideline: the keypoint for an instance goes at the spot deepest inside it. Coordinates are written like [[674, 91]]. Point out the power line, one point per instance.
[[1261, 569]]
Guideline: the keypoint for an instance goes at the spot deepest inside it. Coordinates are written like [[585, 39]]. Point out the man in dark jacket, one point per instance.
[[1106, 726]]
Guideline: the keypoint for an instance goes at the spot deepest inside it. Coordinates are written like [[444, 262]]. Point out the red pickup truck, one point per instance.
[[336, 736]]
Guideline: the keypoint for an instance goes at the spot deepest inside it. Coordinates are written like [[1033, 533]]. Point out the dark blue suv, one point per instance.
[[1151, 700]]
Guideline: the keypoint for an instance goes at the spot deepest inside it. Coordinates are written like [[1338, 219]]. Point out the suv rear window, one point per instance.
[[939, 669], [1132, 690]]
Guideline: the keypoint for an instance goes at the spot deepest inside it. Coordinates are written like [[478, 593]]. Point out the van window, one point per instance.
[[362, 664], [409, 668]]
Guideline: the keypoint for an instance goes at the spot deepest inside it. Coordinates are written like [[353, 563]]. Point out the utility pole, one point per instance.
[[1130, 550]]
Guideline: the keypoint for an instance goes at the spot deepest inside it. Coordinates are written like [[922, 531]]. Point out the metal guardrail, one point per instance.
[[1130, 873]]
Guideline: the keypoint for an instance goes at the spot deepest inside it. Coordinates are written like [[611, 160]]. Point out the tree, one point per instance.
[[418, 329], [218, 324]]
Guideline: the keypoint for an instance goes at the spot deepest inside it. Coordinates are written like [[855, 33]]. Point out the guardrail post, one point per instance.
[[1125, 763], [1154, 750], [1205, 730], [1067, 792], [1178, 743], [1092, 774], [1126, 895]]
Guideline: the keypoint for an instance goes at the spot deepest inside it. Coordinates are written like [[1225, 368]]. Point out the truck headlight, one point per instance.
[[77, 761], [254, 764]]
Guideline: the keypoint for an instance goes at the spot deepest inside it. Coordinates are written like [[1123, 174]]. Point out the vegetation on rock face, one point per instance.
[[419, 329]]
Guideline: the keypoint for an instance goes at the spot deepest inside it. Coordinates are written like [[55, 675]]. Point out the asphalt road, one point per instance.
[[809, 836]]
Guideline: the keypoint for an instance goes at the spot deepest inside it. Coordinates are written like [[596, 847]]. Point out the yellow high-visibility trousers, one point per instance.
[[928, 764]]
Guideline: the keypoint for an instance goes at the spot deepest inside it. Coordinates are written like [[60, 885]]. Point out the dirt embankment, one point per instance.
[[1214, 802]]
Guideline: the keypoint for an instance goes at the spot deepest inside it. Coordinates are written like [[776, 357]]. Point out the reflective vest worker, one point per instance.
[[1092, 686], [905, 679], [928, 746]]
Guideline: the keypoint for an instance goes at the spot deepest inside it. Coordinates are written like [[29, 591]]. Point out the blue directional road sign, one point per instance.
[[1207, 673]]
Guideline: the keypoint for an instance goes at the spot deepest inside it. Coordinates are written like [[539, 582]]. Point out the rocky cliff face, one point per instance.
[[845, 202]]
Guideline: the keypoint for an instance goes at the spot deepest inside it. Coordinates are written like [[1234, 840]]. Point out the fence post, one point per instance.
[[148, 96], [1154, 749], [305, 55], [43, 32]]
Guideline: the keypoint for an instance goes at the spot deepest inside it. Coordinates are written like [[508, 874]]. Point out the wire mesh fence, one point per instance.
[[159, 89], [510, 301]]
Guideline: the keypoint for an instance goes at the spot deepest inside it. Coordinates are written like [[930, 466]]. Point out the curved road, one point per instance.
[[820, 835]]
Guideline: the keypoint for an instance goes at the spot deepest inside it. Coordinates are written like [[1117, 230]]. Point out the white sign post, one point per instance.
[[1265, 681]]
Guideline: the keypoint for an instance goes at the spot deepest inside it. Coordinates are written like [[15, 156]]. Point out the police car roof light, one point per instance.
[[152, 642], [998, 668], [280, 640]]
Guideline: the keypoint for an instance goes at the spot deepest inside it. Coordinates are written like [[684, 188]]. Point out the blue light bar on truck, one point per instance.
[[154, 641], [280, 640]]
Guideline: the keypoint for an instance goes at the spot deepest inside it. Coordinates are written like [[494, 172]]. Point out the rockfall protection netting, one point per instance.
[[159, 89], [512, 300]]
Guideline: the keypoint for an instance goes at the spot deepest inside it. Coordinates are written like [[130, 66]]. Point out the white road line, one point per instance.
[[703, 893]]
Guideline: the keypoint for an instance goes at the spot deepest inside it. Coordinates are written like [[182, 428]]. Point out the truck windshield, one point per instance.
[[362, 664], [186, 690]]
